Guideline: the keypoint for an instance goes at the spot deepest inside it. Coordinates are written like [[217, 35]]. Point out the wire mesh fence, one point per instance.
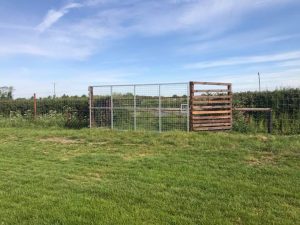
[[284, 104], [152, 107]]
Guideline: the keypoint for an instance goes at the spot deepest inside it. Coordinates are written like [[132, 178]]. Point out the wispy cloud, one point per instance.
[[54, 15], [237, 61], [110, 20]]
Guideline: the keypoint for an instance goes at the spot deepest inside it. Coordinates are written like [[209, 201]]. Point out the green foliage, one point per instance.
[[74, 112], [239, 123], [47, 120], [6, 92], [16, 119], [285, 105]]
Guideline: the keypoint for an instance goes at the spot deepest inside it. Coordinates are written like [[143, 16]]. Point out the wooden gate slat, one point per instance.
[[195, 117], [211, 107], [212, 97], [211, 121], [212, 128], [210, 101], [212, 124], [212, 110], [212, 90]]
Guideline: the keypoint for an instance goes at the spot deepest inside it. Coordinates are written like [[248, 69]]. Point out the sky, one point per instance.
[[77, 43]]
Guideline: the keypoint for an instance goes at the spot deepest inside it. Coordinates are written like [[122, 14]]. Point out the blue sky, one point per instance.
[[85, 42]]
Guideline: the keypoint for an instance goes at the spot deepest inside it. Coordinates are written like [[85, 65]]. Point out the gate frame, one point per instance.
[[189, 113], [91, 102], [192, 95]]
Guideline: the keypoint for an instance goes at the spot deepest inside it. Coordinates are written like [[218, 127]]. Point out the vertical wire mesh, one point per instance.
[[285, 106], [101, 107], [175, 107], [123, 107], [149, 107]]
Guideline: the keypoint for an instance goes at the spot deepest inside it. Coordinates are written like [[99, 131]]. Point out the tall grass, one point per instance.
[[51, 119]]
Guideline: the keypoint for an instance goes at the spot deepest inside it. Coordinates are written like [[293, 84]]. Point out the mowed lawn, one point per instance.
[[104, 177]]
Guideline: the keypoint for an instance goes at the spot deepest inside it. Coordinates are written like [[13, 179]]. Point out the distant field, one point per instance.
[[56, 176]]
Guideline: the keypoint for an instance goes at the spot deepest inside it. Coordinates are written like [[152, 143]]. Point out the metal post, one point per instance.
[[259, 81], [34, 105], [134, 105], [188, 108], [111, 108], [159, 107], [90, 105], [54, 90]]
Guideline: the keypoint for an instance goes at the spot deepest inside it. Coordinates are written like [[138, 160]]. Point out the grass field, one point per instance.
[[50, 176]]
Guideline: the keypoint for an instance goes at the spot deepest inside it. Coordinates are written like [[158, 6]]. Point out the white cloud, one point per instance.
[[54, 15], [20, 49], [242, 40], [236, 61], [109, 20]]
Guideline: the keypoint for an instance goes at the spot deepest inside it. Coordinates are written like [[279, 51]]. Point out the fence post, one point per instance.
[[188, 108], [34, 106], [231, 99], [270, 122], [191, 105], [111, 108], [134, 105], [91, 102], [159, 107]]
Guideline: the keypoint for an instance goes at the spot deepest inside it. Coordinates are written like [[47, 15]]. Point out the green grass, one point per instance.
[[50, 176]]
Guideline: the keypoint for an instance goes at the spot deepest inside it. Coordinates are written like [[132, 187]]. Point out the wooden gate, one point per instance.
[[210, 109]]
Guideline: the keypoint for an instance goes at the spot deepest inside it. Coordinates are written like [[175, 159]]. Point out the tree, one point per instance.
[[6, 92]]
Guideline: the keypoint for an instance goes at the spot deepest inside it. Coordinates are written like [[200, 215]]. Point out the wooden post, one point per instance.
[[191, 105], [34, 106], [231, 96]]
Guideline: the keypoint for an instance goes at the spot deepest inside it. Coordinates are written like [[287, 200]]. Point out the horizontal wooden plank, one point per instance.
[[211, 107], [195, 117], [211, 97], [211, 125], [211, 112], [211, 128], [253, 109], [211, 83], [212, 90], [202, 102], [211, 121]]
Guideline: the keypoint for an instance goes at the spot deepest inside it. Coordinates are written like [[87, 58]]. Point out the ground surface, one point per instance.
[[103, 177]]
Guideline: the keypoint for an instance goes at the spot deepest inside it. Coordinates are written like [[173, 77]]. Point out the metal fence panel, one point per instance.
[[150, 107]]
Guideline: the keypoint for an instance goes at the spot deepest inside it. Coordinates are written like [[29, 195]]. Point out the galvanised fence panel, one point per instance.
[[150, 107]]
